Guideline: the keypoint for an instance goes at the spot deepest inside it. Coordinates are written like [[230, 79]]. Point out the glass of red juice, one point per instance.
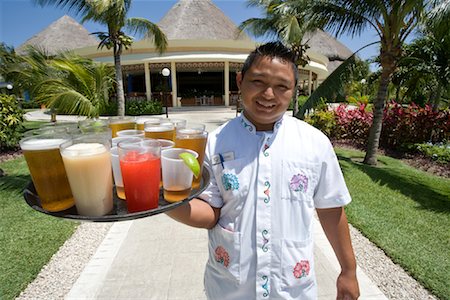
[[140, 164]]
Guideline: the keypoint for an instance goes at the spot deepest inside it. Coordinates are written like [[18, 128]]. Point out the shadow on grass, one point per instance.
[[410, 186], [14, 182]]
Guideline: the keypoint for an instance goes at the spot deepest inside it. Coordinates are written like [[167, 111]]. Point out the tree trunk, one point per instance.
[[375, 130], [119, 87], [436, 98], [295, 102]]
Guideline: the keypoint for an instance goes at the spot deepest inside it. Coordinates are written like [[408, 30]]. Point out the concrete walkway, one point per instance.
[[158, 258]]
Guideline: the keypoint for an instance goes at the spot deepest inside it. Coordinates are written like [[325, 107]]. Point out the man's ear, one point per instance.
[[239, 79]]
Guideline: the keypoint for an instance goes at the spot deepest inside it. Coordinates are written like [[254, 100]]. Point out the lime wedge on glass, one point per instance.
[[191, 162]]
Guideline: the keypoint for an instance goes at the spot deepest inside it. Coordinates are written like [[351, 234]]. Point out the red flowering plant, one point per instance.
[[353, 123]]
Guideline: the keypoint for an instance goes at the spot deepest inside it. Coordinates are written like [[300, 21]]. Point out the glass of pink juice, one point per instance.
[[140, 165]]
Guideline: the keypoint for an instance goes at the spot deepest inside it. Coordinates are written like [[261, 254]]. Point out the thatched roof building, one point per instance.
[[198, 20], [63, 34], [204, 53]]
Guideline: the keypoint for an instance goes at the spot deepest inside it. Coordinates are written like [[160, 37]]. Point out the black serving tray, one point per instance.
[[119, 212]]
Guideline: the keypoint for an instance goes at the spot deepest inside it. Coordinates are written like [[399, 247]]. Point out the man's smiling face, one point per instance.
[[267, 88]]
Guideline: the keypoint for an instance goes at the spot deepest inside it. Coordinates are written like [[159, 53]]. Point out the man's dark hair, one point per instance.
[[272, 50]]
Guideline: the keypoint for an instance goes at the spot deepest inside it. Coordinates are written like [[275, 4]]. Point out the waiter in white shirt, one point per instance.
[[270, 173]]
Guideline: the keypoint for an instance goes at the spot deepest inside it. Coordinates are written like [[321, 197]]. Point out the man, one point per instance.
[[270, 173]]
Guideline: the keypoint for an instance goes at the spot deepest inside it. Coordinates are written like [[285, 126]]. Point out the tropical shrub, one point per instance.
[[324, 120], [439, 152], [353, 123], [11, 122], [137, 108], [412, 124]]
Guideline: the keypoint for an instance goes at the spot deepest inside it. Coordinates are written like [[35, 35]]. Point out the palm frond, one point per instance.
[[149, 30], [334, 82]]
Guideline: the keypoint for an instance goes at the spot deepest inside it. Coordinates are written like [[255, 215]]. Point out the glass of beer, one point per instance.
[[140, 164], [117, 174], [163, 131], [177, 177], [121, 123], [88, 166], [91, 124], [130, 132], [193, 137], [165, 144], [142, 119], [47, 170]]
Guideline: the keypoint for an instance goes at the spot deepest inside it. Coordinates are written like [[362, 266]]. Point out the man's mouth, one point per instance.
[[266, 105]]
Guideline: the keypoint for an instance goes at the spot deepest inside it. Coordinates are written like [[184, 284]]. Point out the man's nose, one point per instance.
[[268, 92]]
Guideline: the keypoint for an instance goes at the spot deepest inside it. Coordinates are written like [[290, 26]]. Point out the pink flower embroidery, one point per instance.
[[221, 256], [299, 183], [301, 269]]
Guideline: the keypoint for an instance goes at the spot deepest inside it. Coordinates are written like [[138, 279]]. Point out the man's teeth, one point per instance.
[[266, 105]]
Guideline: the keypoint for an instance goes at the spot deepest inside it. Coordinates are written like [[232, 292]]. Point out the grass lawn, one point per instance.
[[28, 239], [405, 212]]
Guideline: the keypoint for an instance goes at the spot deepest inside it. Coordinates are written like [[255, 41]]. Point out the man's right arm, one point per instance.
[[196, 213]]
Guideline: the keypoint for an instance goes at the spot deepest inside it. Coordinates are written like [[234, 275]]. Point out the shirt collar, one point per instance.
[[246, 124]]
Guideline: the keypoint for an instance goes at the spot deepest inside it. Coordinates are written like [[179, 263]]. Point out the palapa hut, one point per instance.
[[203, 55], [62, 35]]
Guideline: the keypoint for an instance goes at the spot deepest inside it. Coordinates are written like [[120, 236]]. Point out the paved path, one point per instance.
[[158, 258]]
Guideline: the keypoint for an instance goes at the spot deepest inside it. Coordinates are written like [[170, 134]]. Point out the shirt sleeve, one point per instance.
[[331, 190]]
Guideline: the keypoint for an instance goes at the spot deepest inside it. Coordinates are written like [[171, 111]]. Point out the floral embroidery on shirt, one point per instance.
[[267, 192], [230, 182], [301, 269], [299, 183], [221, 256]]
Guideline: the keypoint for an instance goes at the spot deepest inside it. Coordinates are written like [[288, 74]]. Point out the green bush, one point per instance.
[[439, 152], [138, 107], [11, 122], [301, 101], [323, 120], [29, 104], [110, 109]]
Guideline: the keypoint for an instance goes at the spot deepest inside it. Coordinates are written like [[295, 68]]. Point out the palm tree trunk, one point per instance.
[[119, 87], [375, 130], [436, 97], [295, 103]]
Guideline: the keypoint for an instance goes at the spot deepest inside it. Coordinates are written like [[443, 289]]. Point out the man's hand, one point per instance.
[[347, 287]]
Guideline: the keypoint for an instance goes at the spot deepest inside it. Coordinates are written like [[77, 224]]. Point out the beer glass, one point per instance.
[[121, 123], [47, 170], [165, 144], [193, 137], [162, 131], [88, 165], [140, 164], [177, 177], [117, 174], [142, 119], [90, 125], [130, 132]]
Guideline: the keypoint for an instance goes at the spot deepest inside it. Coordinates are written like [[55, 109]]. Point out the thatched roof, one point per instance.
[[322, 42], [63, 34], [196, 20]]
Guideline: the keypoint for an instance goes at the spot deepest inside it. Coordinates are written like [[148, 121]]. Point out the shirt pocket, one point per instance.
[[297, 269], [224, 252], [231, 177], [299, 179]]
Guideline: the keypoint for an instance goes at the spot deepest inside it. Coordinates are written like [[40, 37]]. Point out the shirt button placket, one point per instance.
[[263, 223]]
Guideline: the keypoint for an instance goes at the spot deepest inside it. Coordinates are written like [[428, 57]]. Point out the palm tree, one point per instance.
[[393, 22], [113, 14], [66, 82], [285, 22]]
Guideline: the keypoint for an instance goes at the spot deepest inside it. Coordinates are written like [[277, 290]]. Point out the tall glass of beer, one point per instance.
[[163, 131], [88, 164], [142, 119], [130, 133], [193, 137], [121, 123], [47, 170]]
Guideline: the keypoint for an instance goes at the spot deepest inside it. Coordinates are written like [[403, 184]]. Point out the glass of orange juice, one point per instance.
[[193, 137], [121, 123]]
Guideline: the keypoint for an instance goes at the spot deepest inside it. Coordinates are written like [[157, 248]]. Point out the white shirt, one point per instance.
[[267, 186]]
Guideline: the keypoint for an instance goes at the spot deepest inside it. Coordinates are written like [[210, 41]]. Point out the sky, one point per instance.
[[21, 19]]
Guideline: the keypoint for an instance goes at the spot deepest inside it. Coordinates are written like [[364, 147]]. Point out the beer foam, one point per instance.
[[158, 129], [41, 144], [189, 131], [84, 149]]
